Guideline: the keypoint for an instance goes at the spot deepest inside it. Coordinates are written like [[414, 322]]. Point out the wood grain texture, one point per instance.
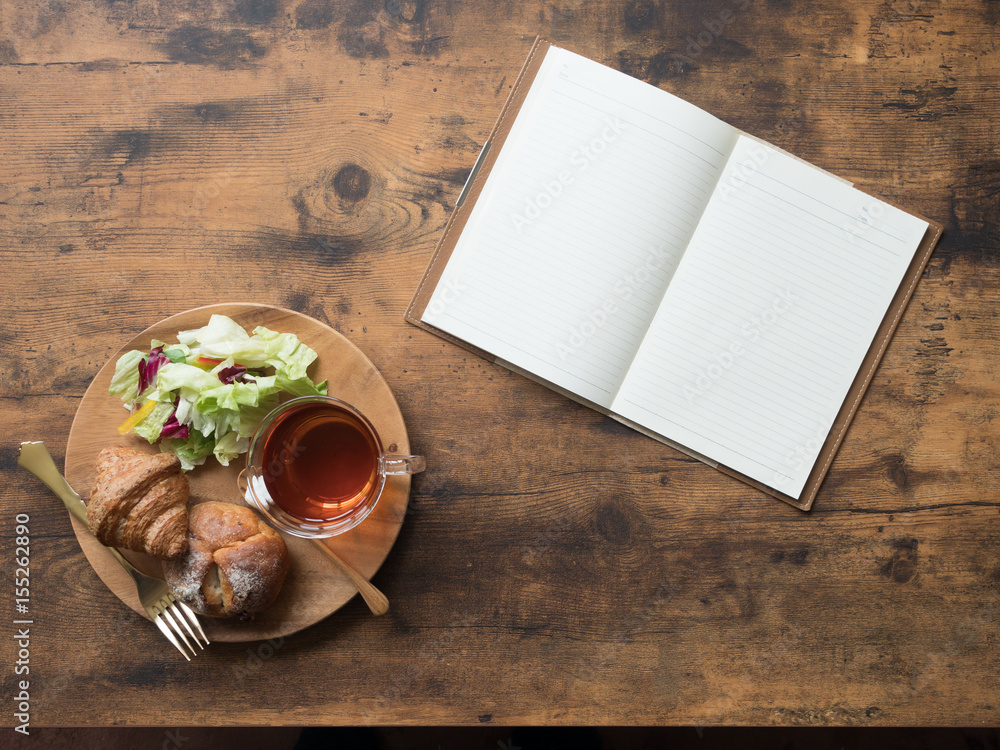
[[554, 566]]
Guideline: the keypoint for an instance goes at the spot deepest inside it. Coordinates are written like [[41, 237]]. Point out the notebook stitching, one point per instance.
[[878, 358], [451, 223]]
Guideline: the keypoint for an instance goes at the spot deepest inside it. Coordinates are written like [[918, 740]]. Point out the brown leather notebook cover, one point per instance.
[[459, 217]]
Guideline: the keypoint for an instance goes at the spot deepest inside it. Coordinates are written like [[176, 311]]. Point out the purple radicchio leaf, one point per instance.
[[233, 374], [174, 429], [150, 366]]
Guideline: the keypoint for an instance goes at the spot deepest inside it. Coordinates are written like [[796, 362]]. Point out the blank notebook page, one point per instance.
[[580, 225], [769, 316]]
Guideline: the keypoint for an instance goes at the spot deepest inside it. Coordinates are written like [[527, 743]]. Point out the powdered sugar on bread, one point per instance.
[[235, 564]]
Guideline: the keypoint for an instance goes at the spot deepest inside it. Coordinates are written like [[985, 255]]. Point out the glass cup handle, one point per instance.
[[397, 463]]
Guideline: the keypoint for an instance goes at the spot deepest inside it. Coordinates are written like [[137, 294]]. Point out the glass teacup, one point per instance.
[[316, 467]]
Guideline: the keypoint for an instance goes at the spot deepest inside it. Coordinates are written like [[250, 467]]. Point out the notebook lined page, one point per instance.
[[580, 225], [769, 316]]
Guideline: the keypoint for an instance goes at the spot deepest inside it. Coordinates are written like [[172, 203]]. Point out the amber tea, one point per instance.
[[320, 461]]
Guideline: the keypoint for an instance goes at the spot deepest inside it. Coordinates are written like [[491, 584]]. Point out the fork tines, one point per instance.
[[173, 618]]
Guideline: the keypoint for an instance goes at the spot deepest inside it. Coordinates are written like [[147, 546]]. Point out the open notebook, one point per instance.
[[636, 253]]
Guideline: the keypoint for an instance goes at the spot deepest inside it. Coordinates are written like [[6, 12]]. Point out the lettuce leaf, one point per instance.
[[192, 450], [175, 376], [151, 426], [125, 381], [285, 353], [251, 416], [232, 396], [301, 386], [230, 446]]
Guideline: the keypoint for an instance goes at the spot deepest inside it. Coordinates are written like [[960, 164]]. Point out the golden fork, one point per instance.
[[171, 616]]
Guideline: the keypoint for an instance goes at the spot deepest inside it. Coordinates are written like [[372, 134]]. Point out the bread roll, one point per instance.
[[139, 502], [235, 563]]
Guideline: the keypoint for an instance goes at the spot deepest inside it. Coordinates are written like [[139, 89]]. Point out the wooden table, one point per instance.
[[555, 567]]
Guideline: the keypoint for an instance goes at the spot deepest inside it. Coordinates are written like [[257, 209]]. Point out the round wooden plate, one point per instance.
[[314, 588]]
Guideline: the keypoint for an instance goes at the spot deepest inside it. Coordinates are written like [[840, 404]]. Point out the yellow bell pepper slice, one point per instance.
[[137, 416]]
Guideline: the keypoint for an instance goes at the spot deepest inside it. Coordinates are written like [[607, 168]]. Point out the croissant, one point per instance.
[[139, 502]]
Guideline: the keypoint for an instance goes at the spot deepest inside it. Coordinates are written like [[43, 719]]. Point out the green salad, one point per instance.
[[206, 394]]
